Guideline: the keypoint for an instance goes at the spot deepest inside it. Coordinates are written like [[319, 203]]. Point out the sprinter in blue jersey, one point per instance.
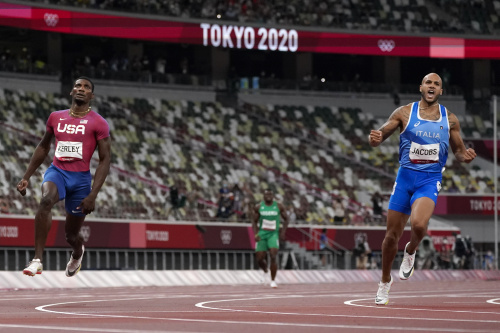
[[426, 130]]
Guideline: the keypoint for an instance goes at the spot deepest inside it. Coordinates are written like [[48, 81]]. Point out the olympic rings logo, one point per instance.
[[386, 45], [51, 19]]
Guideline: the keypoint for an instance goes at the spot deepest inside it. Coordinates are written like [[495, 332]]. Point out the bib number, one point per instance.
[[423, 154], [268, 224], [69, 151]]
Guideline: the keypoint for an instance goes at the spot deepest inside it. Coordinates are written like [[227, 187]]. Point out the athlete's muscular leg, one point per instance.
[[421, 212], [72, 229], [43, 217], [261, 260], [273, 253], [396, 222]]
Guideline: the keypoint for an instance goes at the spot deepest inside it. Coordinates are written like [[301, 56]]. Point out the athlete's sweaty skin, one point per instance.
[[77, 132], [422, 208]]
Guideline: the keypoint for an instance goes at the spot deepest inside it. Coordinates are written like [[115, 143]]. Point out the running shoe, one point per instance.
[[264, 278], [407, 266], [382, 297], [35, 267], [274, 284], [74, 265]]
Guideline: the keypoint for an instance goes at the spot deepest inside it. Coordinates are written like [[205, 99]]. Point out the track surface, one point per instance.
[[464, 306]]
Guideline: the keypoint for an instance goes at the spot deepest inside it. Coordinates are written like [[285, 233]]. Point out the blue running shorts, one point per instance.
[[411, 185], [72, 186]]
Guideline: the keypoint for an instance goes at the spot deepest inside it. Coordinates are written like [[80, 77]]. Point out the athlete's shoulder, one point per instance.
[[59, 113], [447, 111], [100, 121], [97, 116], [402, 112], [408, 106], [452, 119], [279, 204]]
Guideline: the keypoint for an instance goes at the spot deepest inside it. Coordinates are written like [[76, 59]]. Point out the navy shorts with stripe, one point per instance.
[[411, 185], [72, 186]]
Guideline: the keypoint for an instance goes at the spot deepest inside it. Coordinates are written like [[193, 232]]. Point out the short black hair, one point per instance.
[[88, 79]]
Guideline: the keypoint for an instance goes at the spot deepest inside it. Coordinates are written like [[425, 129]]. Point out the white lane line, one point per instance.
[[463, 303], [204, 305], [353, 303], [208, 321], [92, 296], [86, 329], [306, 325], [117, 312], [493, 301]]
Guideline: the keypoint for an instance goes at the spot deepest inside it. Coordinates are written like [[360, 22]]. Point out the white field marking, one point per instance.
[[42, 307], [308, 325], [94, 296], [149, 311], [202, 305], [118, 292], [85, 329], [463, 303], [493, 301], [351, 302], [371, 328]]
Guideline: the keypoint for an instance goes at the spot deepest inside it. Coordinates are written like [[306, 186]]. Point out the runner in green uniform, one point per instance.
[[266, 227]]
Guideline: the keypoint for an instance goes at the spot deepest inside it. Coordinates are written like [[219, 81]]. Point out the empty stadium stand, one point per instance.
[[308, 154], [412, 16]]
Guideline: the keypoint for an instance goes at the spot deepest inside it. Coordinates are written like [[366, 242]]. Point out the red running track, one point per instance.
[[443, 306]]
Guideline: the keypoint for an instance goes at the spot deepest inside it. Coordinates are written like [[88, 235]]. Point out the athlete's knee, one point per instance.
[[72, 238], [419, 228], [260, 256], [46, 203], [391, 239]]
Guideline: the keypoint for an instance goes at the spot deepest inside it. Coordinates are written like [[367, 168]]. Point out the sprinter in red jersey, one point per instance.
[[77, 132]]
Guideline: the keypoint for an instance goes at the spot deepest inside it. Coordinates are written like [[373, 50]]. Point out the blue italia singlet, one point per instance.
[[424, 143]]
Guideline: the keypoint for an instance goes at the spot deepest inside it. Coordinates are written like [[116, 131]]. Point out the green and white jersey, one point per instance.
[[269, 219]]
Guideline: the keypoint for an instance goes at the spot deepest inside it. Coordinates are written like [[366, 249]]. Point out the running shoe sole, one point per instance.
[[73, 273], [28, 272], [70, 274]]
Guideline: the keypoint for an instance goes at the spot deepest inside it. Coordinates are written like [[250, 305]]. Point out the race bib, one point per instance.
[[69, 151], [268, 224], [423, 154]]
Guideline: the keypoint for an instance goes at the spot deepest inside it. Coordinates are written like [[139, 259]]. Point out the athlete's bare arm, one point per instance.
[[41, 152], [398, 119], [255, 222], [104, 149], [284, 218], [462, 153]]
